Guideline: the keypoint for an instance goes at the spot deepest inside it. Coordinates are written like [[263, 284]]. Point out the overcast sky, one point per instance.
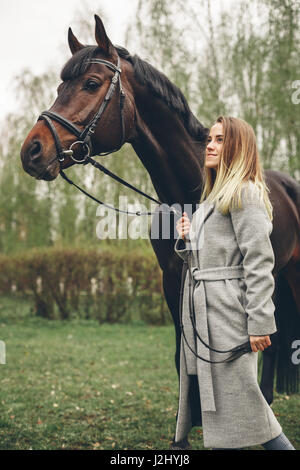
[[33, 31], [33, 34]]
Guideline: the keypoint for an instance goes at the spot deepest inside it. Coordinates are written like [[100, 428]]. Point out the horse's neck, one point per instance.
[[169, 154]]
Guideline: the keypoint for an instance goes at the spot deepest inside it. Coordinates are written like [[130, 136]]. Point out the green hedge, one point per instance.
[[111, 285]]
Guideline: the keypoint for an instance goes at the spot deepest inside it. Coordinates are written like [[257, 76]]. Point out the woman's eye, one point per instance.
[[91, 85]]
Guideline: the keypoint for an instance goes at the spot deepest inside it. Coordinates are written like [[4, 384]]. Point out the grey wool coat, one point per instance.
[[232, 261]]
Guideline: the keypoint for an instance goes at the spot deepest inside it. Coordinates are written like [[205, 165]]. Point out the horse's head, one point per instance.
[[93, 112]]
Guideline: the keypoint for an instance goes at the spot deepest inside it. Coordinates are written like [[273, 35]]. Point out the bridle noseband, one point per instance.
[[85, 136]]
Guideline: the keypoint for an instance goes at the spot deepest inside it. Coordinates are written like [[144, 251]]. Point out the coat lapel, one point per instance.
[[207, 210], [196, 239]]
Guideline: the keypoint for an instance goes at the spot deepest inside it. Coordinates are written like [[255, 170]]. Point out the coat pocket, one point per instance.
[[236, 291]]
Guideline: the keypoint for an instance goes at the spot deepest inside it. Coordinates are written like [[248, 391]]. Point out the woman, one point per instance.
[[230, 257]]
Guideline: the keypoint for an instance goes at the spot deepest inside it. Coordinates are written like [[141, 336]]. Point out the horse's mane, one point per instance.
[[146, 74]]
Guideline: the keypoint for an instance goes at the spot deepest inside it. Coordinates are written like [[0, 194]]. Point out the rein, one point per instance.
[[85, 140], [235, 352]]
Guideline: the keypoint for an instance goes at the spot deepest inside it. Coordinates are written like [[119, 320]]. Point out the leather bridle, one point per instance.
[[85, 136], [85, 140]]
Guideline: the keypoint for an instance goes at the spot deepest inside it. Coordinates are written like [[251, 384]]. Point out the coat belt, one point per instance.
[[194, 365], [218, 273]]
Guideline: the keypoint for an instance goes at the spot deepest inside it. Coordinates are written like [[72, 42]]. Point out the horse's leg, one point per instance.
[[279, 356], [287, 314], [288, 373], [171, 286], [171, 267]]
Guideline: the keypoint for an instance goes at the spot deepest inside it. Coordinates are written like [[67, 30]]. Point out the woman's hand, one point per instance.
[[259, 343], [183, 225]]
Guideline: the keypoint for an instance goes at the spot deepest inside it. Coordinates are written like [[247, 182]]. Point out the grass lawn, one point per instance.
[[81, 385]]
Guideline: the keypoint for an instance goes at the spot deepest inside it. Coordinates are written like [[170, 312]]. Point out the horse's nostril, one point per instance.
[[35, 150]]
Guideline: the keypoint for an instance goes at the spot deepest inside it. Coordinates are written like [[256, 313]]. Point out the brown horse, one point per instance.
[[148, 111]]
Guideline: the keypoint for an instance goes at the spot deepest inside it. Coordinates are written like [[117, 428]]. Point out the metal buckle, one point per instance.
[[86, 155]]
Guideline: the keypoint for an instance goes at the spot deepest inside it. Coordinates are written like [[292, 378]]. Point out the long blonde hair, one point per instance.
[[239, 163]]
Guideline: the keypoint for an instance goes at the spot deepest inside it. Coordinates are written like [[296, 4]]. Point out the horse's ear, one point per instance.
[[74, 44], [102, 39]]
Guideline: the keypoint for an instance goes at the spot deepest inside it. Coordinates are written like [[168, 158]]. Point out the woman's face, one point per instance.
[[214, 146]]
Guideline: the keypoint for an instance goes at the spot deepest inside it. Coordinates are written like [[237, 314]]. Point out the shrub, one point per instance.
[[110, 285]]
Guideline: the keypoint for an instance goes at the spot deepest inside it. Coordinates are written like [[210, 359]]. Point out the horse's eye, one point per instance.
[[91, 85]]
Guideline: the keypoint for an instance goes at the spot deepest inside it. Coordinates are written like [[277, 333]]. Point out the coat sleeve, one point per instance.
[[252, 228]]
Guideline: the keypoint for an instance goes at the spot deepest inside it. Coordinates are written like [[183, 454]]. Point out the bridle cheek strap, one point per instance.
[[85, 137]]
